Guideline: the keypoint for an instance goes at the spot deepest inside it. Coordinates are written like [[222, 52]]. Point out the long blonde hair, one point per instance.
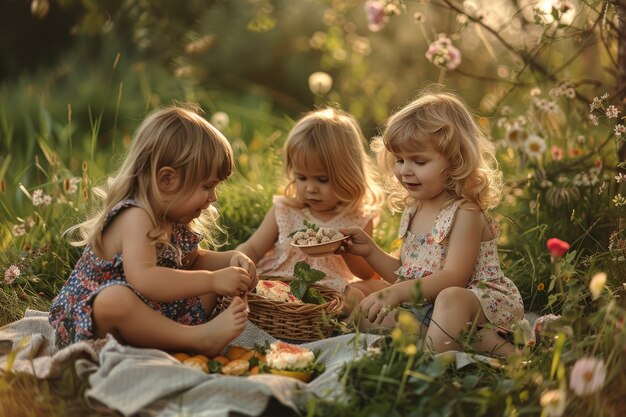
[[443, 120], [332, 140], [175, 136]]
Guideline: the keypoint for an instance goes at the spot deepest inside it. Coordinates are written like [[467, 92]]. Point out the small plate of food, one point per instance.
[[321, 242], [292, 361]]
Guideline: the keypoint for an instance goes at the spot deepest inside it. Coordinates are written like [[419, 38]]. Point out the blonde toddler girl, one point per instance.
[[446, 175], [142, 276]]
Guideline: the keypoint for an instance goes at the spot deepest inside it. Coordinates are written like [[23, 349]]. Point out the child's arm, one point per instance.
[[362, 244], [166, 284], [357, 264], [262, 239], [463, 246]]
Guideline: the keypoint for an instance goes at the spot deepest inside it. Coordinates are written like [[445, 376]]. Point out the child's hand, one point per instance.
[[243, 261], [377, 305], [232, 281], [358, 242]]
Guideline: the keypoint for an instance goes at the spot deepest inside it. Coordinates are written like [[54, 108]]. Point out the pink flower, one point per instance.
[[10, 274], [587, 376], [376, 17], [443, 54], [557, 247]]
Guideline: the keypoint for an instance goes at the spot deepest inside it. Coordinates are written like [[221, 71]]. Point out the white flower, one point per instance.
[[515, 136], [596, 285], [11, 273], [588, 375], [39, 198], [534, 146], [320, 83], [18, 230], [554, 402], [612, 112], [220, 120], [619, 129]]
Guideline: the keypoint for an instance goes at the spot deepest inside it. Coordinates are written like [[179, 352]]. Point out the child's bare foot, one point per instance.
[[221, 330]]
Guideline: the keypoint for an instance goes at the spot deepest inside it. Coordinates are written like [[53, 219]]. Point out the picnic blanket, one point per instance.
[[150, 382]]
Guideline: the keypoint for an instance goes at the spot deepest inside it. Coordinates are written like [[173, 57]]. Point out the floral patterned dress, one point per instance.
[[281, 259], [70, 314], [424, 254]]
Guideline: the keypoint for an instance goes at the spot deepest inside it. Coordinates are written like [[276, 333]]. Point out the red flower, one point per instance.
[[557, 247]]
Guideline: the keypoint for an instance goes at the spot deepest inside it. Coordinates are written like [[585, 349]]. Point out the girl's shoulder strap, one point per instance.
[[405, 220], [444, 221], [127, 202]]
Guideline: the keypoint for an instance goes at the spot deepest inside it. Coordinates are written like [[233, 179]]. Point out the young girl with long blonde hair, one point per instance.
[[142, 276], [331, 183], [444, 173]]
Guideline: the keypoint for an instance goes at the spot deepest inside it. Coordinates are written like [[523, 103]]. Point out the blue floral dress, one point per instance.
[[424, 254], [70, 314]]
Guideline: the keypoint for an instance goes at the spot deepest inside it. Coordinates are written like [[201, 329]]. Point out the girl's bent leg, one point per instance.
[[118, 310], [455, 309]]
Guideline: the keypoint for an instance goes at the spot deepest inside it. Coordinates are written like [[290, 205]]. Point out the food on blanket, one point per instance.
[[198, 362], [290, 360], [276, 291], [181, 356], [236, 367], [236, 352], [322, 242], [221, 359]]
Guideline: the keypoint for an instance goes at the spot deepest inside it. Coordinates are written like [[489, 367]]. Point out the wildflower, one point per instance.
[[557, 247], [418, 17], [515, 135], [596, 285], [411, 349], [443, 54], [320, 83], [18, 230], [70, 185], [557, 152], [375, 13], [619, 129], [41, 199], [554, 402], [619, 200], [11, 274], [220, 120], [594, 119], [541, 286], [408, 323], [612, 112], [534, 146], [587, 376], [535, 91]]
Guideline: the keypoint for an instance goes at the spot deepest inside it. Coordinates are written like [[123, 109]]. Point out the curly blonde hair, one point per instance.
[[331, 140], [175, 136], [442, 120]]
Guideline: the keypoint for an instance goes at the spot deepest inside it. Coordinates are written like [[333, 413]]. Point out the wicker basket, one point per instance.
[[302, 322]]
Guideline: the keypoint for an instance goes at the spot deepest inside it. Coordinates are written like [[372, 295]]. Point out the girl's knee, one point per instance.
[[451, 296], [114, 302]]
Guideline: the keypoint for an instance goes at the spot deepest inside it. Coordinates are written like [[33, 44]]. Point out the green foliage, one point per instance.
[[304, 277]]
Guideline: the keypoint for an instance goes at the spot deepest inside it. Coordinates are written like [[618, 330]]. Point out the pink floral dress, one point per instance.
[[424, 254], [70, 313], [281, 259]]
